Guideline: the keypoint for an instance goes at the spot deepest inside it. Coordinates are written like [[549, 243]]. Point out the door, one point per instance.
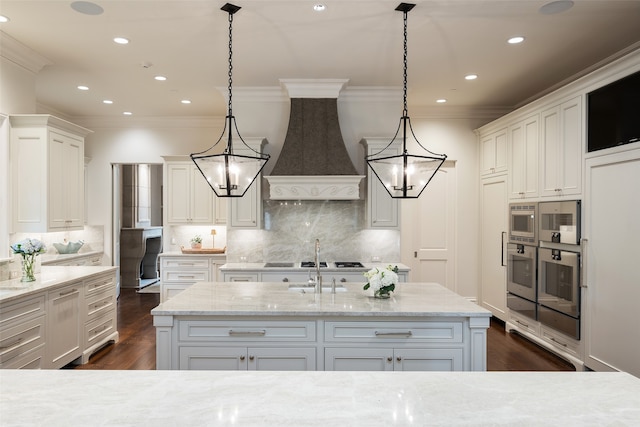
[[612, 294], [429, 230]]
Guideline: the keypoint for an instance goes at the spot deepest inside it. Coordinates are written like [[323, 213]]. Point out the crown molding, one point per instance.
[[18, 53], [100, 122]]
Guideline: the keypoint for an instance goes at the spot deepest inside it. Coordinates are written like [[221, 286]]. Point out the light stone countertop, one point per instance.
[[259, 398], [260, 266], [49, 258], [180, 254], [275, 299], [50, 277]]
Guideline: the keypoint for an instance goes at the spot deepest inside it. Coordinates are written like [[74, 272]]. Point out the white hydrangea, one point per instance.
[[381, 278]]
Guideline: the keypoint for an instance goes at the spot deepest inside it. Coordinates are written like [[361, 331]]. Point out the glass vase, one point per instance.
[[28, 268]]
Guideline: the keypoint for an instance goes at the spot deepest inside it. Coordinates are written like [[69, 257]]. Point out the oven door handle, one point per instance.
[[583, 262], [502, 264]]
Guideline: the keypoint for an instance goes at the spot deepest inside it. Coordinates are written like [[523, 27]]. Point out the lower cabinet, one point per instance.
[[22, 333], [248, 358], [393, 359], [181, 271], [65, 330]]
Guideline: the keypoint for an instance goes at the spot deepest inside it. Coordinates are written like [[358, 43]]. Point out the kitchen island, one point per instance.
[[280, 326], [214, 398]]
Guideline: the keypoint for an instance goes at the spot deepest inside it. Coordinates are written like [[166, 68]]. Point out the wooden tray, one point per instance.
[[203, 250]]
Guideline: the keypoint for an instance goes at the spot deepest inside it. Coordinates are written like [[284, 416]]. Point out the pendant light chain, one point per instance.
[[230, 60], [405, 111]]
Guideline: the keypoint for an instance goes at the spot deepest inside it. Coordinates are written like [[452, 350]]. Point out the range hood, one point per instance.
[[314, 163]]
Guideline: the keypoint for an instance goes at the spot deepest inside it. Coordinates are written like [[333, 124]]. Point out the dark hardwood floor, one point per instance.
[[137, 346]]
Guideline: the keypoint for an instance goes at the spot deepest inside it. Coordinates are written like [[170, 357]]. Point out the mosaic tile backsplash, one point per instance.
[[291, 227]]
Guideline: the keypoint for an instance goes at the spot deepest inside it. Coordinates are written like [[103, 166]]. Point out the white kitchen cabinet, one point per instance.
[[248, 358], [299, 275], [51, 196], [188, 199], [611, 277], [523, 158], [181, 271], [390, 359], [383, 211], [246, 211], [493, 238], [493, 152], [100, 317], [561, 148], [64, 325], [22, 333]]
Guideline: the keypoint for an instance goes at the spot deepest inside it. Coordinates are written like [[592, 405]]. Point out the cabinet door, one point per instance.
[[202, 199], [523, 155], [282, 359], [383, 211], [66, 182], [358, 359], [64, 333], [212, 358], [432, 359], [493, 229], [178, 193], [246, 211], [493, 152]]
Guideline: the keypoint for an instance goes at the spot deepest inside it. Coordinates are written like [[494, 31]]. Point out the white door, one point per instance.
[[428, 230], [612, 295]]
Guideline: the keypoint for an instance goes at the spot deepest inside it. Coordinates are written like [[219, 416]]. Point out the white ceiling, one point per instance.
[[359, 40]]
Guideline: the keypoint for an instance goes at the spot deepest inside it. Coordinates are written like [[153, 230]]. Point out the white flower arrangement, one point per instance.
[[196, 239], [382, 281], [29, 249]]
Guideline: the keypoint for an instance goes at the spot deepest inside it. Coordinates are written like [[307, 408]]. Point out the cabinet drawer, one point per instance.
[[99, 329], [19, 312], [240, 277], [21, 338], [285, 277], [34, 359], [185, 276], [423, 332], [220, 330], [185, 264], [100, 284], [99, 304], [561, 341], [525, 323]]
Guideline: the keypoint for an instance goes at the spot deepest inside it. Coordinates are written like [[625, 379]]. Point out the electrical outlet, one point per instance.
[[375, 259], [13, 274], [173, 240]]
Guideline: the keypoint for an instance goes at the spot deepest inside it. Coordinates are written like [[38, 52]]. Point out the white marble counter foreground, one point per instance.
[[275, 299], [221, 398]]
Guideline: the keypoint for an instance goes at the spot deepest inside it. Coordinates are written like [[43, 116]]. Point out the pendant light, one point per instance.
[[405, 176], [230, 173]]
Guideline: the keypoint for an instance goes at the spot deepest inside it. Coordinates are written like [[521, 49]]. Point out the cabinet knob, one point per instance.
[[343, 280], [251, 358], [389, 359], [286, 279], [241, 357], [399, 359]]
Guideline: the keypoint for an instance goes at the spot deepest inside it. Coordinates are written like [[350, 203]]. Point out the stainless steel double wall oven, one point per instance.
[[543, 263]]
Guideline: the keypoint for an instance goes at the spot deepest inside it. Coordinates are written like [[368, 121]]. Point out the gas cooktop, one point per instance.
[[312, 264], [349, 264]]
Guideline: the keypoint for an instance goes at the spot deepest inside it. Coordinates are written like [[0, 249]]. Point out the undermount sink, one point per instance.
[[310, 288]]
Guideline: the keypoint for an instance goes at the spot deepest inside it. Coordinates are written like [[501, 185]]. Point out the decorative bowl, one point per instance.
[[68, 248]]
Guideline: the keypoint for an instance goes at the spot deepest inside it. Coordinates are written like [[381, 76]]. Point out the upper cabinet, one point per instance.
[[493, 154], [47, 170], [523, 158], [561, 149], [383, 211], [189, 199], [246, 211]]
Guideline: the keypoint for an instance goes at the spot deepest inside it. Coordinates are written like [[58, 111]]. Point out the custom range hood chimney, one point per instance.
[[314, 163]]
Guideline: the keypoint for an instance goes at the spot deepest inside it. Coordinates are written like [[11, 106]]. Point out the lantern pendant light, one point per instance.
[[230, 174], [405, 176]]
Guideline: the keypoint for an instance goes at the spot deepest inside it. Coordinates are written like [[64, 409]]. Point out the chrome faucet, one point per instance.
[[318, 287]]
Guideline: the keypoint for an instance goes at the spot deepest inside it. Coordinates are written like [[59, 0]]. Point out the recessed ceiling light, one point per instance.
[[186, 101], [555, 7], [160, 78], [319, 7], [441, 101], [83, 87], [4, 18], [127, 113], [87, 8], [107, 101], [515, 40], [471, 77], [121, 40]]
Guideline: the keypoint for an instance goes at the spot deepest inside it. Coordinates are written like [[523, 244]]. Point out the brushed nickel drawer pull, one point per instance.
[[394, 334], [558, 342], [68, 292], [246, 333], [13, 344], [186, 277], [522, 323]]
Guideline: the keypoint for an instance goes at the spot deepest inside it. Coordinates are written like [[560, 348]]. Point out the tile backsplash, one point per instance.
[[291, 227]]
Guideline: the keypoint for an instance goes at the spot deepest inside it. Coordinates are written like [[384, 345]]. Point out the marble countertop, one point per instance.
[[259, 398], [50, 277], [179, 253], [260, 266], [275, 299], [47, 258]]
